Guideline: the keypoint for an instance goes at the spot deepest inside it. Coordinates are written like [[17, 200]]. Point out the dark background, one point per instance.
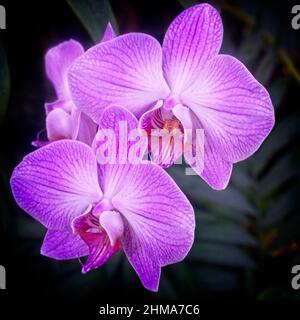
[[247, 237]]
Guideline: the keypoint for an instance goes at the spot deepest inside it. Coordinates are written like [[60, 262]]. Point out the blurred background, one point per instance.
[[247, 237]]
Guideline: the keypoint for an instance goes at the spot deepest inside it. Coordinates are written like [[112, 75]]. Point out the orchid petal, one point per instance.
[[58, 125], [158, 219], [124, 71], [193, 38], [165, 147], [153, 118], [122, 123], [56, 183], [199, 152], [58, 60], [66, 105], [233, 108], [41, 139], [100, 249], [183, 114], [204, 158], [109, 33], [62, 245], [215, 171], [112, 223], [165, 136], [83, 127]]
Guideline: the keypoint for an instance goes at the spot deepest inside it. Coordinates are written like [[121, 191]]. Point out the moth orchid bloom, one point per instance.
[[95, 210], [197, 88], [63, 119]]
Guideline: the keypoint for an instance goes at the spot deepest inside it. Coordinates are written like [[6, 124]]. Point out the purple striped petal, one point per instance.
[[100, 249], [58, 125], [57, 183], [215, 171], [109, 33], [125, 71], [158, 218], [112, 223], [83, 127], [204, 158], [59, 104], [58, 60], [193, 38], [165, 136], [233, 108], [183, 114], [123, 124], [62, 245]]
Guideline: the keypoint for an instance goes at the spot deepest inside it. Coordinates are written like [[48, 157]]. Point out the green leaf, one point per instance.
[[266, 67], [288, 232], [220, 254], [279, 293], [217, 230], [285, 168], [278, 89], [4, 82], [199, 191], [213, 278], [94, 15], [281, 207], [250, 50], [282, 134], [188, 3]]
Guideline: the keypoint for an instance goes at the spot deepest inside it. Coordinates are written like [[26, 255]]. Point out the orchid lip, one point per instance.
[[109, 220], [112, 223]]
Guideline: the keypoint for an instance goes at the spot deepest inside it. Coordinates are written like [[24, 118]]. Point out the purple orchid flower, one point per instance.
[[95, 210], [63, 119], [185, 84]]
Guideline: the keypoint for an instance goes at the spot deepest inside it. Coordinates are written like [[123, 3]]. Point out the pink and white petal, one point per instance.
[[58, 125], [153, 118], [164, 143], [75, 118], [159, 220], [165, 148], [87, 129], [125, 71], [208, 164], [113, 115], [66, 105], [100, 249], [57, 183], [192, 39], [121, 122], [109, 33], [112, 223], [141, 255], [83, 127], [202, 155], [41, 139], [184, 115], [216, 171], [234, 109], [58, 60], [63, 245]]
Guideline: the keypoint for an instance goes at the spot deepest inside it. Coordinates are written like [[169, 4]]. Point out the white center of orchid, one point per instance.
[[171, 102], [104, 204], [109, 220], [112, 223]]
